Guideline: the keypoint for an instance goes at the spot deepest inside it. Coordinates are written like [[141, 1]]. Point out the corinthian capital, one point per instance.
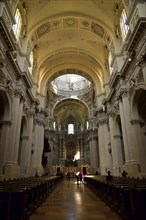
[[103, 121]]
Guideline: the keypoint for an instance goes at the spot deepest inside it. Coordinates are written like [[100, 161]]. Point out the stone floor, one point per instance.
[[72, 201]]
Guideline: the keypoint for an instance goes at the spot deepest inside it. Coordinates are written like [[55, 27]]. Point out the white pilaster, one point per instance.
[[29, 170], [132, 166], [3, 143], [17, 135], [94, 162], [101, 143], [23, 156]]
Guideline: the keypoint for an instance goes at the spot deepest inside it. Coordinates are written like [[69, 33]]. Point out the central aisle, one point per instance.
[[72, 201]]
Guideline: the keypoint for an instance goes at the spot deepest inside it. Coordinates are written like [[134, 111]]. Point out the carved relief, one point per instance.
[[56, 24], [97, 29], [85, 24], [42, 30], [70, 22]]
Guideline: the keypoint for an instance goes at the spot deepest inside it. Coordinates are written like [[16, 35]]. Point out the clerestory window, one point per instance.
[[31, 58], [18, 24], [124, 27], [70, 128]]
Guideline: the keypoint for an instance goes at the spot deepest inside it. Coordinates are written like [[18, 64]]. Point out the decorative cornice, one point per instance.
[[141, 24], [6, 35], [110, 95], [114, 79]]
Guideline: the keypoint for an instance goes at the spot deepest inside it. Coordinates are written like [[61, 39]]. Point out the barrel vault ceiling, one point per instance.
[[72, 35]]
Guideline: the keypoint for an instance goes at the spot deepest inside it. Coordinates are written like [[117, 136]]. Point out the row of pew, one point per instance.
[[19, 198], [127, 196]]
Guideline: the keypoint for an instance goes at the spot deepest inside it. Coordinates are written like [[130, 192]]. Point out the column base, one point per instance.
[[11, 170], [132, 168]]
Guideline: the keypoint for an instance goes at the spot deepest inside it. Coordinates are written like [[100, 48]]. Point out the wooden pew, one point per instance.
[[127, 196], [19, 198]]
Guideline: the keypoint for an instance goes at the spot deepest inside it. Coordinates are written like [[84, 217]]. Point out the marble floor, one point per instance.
[[72, 201]]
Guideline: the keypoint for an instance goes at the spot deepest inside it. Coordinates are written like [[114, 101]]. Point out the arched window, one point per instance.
[[109, 62], [18, 24], [31, 58], [87, 125], [70, 128], [124, 27]]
